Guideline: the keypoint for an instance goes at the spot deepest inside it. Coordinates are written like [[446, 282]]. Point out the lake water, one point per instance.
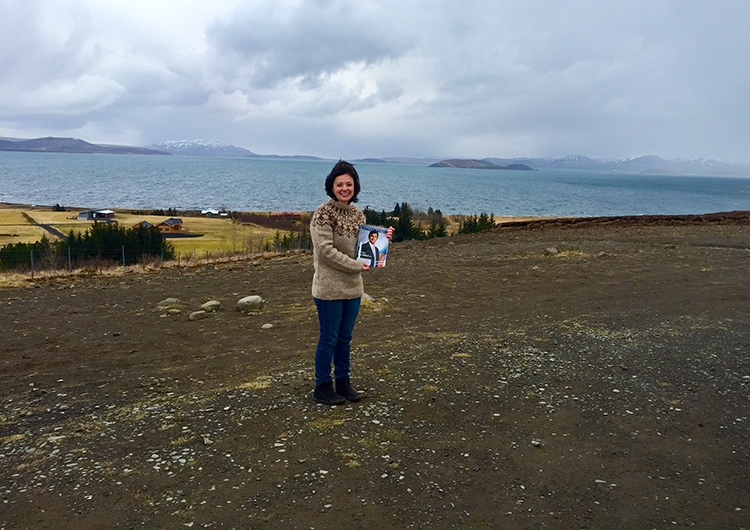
[[147, 182]]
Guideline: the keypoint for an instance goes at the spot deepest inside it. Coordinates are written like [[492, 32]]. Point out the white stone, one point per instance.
[[250, 303], [211, 306], [198, 315], [170, 303]]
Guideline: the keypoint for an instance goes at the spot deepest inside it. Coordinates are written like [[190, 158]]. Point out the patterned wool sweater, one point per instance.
[[334, 228]]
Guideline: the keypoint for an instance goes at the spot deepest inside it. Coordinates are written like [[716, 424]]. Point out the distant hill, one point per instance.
[[204, 148], [478, 164], [651, 164], [291, 157], [411, 160], [397, 160], [72, 145], [371, 160]]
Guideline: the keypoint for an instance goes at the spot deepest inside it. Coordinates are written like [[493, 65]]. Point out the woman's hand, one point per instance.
[[389, 233], [365, 266]]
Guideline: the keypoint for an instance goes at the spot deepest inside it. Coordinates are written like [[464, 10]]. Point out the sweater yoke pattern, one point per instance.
[[339, 219]]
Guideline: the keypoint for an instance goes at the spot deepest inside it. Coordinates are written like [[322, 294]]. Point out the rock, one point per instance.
[[266, 326], [211, 306], [367, 298], [250, 303], [170, 303], [551, 251], [198, 315]]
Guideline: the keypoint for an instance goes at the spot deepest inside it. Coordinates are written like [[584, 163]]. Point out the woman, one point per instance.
[[337, 283]]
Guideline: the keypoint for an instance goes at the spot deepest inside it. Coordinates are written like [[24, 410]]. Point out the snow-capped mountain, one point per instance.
[[200, 148]]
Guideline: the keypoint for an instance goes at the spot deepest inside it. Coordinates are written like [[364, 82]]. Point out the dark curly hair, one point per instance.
[[343, 167]]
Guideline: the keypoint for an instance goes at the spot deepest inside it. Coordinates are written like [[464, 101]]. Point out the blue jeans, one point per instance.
[[337, 318]]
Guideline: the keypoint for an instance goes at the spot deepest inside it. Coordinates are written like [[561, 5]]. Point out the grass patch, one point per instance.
[[325, 423], [15, 228], [260, 383], [11, 217]]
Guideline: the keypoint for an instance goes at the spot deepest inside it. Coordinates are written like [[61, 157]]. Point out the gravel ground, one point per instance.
[[550, 375]]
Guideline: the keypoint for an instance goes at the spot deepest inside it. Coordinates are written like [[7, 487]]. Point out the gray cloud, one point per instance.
[[379, 78], [308, 42]]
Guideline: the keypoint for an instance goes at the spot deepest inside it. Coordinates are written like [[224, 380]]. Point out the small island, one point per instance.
[[479, 164]]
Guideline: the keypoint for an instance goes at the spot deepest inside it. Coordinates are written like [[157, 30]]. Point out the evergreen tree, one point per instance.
[[474, 224]]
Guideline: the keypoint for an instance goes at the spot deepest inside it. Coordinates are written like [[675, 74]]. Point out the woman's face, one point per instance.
[[343, 188]]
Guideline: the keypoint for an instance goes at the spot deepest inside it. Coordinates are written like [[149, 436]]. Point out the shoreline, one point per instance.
[[499, 220]]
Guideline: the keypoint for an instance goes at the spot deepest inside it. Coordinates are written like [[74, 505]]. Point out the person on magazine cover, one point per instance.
[[337, 282], [369, 251]]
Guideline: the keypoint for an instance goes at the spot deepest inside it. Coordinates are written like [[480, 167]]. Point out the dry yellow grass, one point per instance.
[[11, 217], [15, 228], [49, 217], [216, 234]]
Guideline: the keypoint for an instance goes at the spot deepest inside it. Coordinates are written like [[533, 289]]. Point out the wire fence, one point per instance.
[[34, 262]]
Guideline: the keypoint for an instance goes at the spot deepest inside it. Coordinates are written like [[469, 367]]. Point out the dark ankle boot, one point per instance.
[[344, 389], [324, 394]]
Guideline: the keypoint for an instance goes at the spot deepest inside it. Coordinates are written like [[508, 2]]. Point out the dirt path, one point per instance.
[[49, 228], [559, 377]]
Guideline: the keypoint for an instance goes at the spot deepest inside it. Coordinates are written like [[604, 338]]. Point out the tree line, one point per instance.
[[112, 242], [101, 242], [406, 226]]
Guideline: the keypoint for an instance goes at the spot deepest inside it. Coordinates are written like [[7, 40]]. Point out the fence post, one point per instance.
[[123, 258], [70, 262], [32, 264]]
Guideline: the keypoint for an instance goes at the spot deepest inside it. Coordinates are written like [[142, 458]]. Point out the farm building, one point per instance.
[[96, 215], [144, 224], [172, 225]]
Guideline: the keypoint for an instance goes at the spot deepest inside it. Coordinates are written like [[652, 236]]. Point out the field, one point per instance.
[[584, 374], [216, 234], [14, 228]]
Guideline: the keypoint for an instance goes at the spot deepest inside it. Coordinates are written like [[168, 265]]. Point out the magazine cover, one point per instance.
[[372, 245]]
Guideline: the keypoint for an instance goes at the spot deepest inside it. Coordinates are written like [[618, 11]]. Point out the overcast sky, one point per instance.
[[367, 78]]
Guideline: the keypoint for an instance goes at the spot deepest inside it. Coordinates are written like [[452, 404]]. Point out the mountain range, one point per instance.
[[204, 148], [643, 164], [650, 164], [201, 148], [71, 145]]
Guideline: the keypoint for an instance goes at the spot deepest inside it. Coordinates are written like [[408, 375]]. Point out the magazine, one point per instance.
[[372, 245]]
